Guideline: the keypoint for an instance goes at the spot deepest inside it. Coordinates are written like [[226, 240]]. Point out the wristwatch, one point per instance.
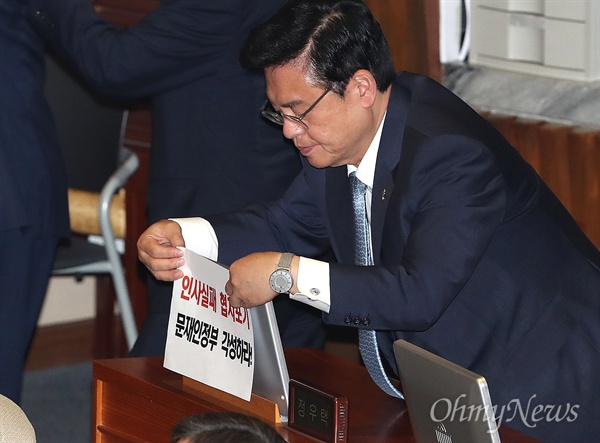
[[281, 279]]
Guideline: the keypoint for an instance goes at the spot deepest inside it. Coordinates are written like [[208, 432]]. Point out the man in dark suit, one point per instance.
[[211, 152], [474, 258], [33, 192]]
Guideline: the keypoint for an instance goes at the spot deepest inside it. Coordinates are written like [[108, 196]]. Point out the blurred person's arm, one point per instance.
[[179, 42]]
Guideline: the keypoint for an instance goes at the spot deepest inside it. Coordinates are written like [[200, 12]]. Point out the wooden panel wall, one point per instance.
[[411, 28], [568, 160], [124, 12]]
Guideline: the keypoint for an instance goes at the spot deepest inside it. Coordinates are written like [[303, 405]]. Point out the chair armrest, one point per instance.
[[126, 169]]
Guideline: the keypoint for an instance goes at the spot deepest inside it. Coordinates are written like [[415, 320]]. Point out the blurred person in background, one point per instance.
[[33, 191], [211, 151], [224, 427]]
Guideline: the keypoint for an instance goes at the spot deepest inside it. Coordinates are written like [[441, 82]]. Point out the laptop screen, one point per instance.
[[446, 403]]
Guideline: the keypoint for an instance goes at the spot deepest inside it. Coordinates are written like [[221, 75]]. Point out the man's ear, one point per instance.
[[366, 87]]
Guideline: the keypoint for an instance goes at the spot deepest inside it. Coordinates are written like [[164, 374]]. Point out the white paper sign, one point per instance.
[[207, 340]]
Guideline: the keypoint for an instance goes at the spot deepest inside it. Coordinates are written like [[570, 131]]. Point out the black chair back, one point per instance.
[[89, 127]]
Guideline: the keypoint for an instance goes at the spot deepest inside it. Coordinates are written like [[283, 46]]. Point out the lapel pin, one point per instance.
[[383, 195]]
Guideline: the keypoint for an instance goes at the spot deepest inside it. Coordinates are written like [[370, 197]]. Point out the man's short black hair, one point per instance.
[[224, 427], [331, 38]]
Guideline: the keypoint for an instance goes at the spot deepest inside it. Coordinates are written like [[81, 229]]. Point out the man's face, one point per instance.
[[339, 130]]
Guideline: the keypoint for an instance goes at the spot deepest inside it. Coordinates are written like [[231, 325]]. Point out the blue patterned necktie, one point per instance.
[[367, 340]]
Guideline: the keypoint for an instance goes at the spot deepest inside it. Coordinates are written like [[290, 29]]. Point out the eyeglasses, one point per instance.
[[278, 117]]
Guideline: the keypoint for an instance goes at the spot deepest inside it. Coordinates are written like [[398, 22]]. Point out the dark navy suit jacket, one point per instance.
[[33, 184], [33, 191], [475, 259]]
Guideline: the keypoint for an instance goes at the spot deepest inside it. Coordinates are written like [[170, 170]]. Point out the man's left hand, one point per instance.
[[248, 284]]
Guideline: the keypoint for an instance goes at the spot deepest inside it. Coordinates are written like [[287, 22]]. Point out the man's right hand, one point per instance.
[[158, 250]]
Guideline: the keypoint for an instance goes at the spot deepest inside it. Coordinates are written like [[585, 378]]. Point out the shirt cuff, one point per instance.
[[199, 236], [313, 284]]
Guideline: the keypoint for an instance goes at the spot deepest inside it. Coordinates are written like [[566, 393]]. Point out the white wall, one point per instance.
[[68, 300]]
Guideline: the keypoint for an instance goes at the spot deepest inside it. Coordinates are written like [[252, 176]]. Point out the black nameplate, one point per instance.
[[317, 413]]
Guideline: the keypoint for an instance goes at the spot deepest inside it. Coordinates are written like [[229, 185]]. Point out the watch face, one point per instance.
[[281, 281]]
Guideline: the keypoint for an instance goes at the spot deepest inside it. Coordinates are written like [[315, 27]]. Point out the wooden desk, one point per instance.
[[137, 400]]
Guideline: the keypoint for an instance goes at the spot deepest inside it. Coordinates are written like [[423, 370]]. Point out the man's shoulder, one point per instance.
[[413, 80]]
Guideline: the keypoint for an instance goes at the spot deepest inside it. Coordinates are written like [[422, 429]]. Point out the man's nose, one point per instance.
[[292, 128]]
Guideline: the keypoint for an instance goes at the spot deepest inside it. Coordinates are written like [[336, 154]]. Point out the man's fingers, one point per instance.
[[161, 264], [235, 302], [163, 268], [158, 250], [171, 275], [152, 246]]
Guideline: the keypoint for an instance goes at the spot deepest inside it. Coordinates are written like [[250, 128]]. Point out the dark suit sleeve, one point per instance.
[[179, 42], [293, 223], [448, 201], [441, 218]]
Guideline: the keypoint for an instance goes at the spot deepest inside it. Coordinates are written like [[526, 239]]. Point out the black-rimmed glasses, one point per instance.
[[278, 117]]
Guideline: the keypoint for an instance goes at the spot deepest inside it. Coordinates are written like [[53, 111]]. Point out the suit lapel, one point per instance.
[[388, 156], [337, 186], [340, 213]]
